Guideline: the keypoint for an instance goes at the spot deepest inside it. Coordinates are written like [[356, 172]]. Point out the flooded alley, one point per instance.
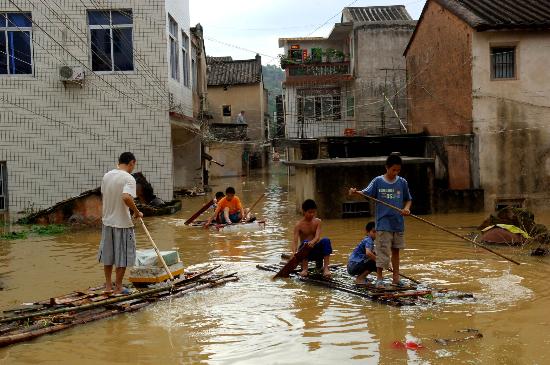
[[258, 320]]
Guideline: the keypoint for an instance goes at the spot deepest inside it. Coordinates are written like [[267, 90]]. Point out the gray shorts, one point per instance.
[[117, 247], [385, 241]]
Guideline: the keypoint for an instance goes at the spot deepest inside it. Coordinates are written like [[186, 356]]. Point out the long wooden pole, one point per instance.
[[441, 228], [256, 202], [157, 250], [199, 212]]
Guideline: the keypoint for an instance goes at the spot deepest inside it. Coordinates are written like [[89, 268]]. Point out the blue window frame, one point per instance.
[[15, 44], [111, 38]]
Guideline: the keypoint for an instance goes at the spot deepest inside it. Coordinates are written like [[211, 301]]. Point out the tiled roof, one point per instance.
[[376, 14], [501, 14], [217, 59], [221, 73]]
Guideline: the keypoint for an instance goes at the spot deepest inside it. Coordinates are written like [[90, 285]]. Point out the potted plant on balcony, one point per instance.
[[284, 61], [334, 55]]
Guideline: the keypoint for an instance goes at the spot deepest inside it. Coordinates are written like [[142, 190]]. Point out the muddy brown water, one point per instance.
[[260, 321]]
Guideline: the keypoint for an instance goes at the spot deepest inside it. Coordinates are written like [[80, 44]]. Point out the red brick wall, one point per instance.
[[439, 74]]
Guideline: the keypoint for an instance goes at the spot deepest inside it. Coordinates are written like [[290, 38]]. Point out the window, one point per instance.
[[350, 106], [226, 110], [111, 40], [185, 51], [15, 43], [295, 55], [3, 190], [320, 105], [194, 71], [174, 49], [503, 63]]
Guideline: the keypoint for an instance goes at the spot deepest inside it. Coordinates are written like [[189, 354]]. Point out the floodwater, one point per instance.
[[260, 321]]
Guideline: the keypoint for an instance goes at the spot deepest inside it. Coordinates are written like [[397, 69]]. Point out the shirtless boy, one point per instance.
[[308, 232]]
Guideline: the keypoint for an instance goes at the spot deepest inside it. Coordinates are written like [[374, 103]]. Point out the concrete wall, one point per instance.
[[440, 89], [231, 155], [249, 98], [182, 94], [58, 142], [329, 186], [512, 119], [379, 68], [186, 146], [305, 186]]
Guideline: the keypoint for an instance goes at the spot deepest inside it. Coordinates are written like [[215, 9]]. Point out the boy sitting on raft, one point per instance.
[[219, 196], [229, 209], [308, 232], [362, 260]]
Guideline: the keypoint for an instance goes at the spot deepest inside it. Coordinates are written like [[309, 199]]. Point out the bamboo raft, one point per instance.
[[394, 296], [33, 320], [254, 226]]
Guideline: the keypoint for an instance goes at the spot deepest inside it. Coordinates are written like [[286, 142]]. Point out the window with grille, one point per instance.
[[185, 59], [15, 43], [503, 63], [111, 38], [350, 106], [3, 185], [174, 48], [226, 110], [319, 105]]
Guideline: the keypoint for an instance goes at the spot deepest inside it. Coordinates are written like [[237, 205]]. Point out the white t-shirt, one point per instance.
[[115, 212]]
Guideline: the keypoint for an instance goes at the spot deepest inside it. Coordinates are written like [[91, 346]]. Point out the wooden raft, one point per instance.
[[56, 314], [394, 296]]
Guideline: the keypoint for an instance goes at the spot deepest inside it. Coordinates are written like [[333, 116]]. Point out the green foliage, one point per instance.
[[13, 236], [49, 230]]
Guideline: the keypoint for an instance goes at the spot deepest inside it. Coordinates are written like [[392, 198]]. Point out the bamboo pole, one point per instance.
[[439, 227], [157, 250], [108, 301], [256, 203], [199, 212], [28, 335]]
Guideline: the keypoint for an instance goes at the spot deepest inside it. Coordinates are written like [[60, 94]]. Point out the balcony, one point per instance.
[[229, 131], [313, 73]]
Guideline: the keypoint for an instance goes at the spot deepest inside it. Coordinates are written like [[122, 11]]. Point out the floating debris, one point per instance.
[[449, 341]]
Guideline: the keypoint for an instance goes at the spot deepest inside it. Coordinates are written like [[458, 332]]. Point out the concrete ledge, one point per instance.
[[357, 161]]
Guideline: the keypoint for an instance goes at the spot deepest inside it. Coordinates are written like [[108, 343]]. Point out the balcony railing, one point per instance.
[[229, 131], [319, 69]]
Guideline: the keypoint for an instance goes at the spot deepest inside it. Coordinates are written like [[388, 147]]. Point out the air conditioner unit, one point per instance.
[[71, 74]]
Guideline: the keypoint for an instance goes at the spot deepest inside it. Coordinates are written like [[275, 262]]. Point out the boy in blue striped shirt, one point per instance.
[[390, 224]]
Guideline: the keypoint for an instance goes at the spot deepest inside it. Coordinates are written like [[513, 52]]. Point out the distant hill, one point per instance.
[[273, 76]]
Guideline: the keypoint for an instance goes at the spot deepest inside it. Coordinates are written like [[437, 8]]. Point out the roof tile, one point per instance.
[[378, 13], [225, 72], [501, 14]]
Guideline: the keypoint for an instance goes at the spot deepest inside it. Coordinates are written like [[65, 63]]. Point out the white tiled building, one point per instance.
[[58, 138]]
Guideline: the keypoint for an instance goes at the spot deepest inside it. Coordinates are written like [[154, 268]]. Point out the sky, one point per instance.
[[242, 28]]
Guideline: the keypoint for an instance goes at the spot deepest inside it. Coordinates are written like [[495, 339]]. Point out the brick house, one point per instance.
[[235, 86], [477, 86], [79, 84]]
